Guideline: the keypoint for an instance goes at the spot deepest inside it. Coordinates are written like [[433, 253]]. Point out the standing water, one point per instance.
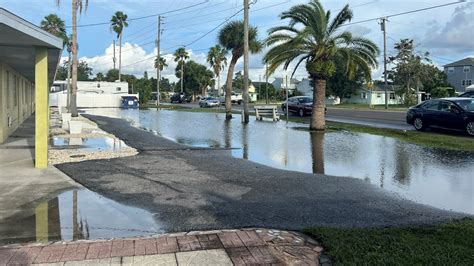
[[437, 177]]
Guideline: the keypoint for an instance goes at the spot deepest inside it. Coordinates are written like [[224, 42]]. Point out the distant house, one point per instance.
[[460, 73], [375, 96], [281, 84]]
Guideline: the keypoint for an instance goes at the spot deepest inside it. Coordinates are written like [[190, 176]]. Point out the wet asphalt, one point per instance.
[[190, 188]]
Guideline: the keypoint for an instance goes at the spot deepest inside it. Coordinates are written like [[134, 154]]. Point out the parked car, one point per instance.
[[129, 102], [180, 98], [208, 102], [234, 98], [469, 94], [301, 105], [453, 113]]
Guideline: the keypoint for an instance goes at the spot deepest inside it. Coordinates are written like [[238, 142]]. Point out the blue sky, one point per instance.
[[447, 33]]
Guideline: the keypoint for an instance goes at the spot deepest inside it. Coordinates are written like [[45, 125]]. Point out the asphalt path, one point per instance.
[[190, 188], [373, 118]]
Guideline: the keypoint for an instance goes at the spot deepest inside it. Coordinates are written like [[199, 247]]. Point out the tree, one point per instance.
[[99, 76], [77, 5], [55, 25], [197, 77], [143, 87], [117, 24], [112, 75], [180, 56], [231, 38], [238, 82], [160, 62], [216, 57], [409, 71], [343, 86], [83, 71], [313, 38]]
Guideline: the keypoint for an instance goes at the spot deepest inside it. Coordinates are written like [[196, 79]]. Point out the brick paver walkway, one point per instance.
[[223, 247]]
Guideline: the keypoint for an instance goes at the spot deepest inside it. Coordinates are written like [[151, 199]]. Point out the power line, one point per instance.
[[143, 17]]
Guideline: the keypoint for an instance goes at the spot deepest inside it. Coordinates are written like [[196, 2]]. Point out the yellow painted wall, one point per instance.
[[16, 100]]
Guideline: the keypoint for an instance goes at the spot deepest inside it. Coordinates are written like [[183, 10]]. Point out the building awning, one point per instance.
[[18, 42]]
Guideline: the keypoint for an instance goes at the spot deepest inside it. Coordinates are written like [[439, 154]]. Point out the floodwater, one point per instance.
[[76, 215], [436, 177], [89, 144]]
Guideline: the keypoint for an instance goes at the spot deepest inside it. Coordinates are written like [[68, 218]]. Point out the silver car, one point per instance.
[[208, 102]]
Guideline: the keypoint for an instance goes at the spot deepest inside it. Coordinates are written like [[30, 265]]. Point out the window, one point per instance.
[[392, 96], [450, 69], [466, 82], [363, 95], [432, 105], [466, 69], [447, 106], [379, 95], [119, 89]]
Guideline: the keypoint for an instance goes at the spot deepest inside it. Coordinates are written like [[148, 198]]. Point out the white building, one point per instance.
[[375, 96], [90, 94]]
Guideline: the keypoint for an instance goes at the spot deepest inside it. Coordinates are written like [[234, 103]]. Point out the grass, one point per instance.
[[398, 107], [447, 244], [427, 139]]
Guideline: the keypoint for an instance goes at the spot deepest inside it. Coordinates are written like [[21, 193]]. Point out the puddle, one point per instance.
[[436, 177], [89, 144], [76, 215]]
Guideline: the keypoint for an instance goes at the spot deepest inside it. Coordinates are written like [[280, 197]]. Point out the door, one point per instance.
[[431, 113], [450, 115]]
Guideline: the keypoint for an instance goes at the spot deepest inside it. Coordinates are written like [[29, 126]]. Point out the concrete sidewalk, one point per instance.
[[223, 247], [23, 186]]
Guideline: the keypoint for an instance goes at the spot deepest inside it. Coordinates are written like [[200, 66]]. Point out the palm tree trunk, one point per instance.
[[317, 152], [218, 84], [73, 100], [182, 76], [120, 57], [318, 121], [68, 95], [228, 88]]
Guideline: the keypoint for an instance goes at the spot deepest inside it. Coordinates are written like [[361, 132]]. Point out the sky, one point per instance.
[[447, 33]]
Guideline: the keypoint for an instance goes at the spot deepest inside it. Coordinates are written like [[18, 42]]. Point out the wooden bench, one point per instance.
[[266, 111]]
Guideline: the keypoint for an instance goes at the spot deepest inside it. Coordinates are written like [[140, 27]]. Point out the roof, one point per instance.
[[468, 61], [18, 41]]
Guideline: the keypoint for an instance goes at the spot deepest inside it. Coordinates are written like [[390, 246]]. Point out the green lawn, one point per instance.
[[448, 244], [398, 108], [456, 141]]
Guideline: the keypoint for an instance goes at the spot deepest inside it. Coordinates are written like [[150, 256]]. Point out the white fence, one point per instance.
[[86, 100]]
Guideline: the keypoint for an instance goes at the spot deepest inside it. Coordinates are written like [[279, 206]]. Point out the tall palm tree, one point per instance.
[[55, 25], [180, 56], [161, 63], [216, 57], [77, 5], [231, 38], [117, 24], [313, 38]]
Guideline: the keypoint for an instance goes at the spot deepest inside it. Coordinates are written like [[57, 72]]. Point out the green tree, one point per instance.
[[160, 62], [231, 38], [83, 71], [180, 56], [131, 80], [317, 40], [238, 82], [112, 75], [117, 24], [99, 76], [55, 25], [144, 89], [216, 57], [341, 84], [409, 70], [77, 5], [196, 78]]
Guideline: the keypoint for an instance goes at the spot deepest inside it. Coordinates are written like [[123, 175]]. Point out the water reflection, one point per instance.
[[436, 177], [76, 215], [89, 144]]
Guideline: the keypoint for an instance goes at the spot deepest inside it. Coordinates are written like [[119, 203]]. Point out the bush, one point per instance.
[[441, 92]]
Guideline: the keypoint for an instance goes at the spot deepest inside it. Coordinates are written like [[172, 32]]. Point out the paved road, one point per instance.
[[198, 189], [373, 118]]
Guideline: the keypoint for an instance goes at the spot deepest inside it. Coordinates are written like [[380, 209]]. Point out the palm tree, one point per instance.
[[161, 63], [180, 56], [216, 57], [55, 25], [313, 38], [117, 23], [77, 5], [231, 38], [99, 76]]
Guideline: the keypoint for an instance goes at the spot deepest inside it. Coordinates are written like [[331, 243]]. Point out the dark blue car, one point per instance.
[[129, 102], [454, 113]]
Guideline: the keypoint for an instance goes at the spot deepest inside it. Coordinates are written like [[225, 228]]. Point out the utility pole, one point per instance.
[[382, 25], [246, 62], [158, 58], [266, 83], [182, 72], [114, 58], [68, 85]]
